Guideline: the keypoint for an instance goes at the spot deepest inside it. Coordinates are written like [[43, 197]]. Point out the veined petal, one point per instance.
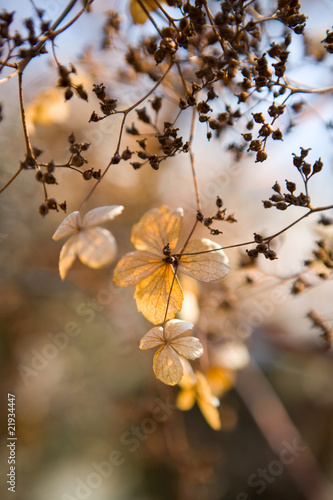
[[167, 365], [134, 267], [101, 214], [67, 256], [152, 295], [175, 328], [96, 247], [157, 228], [68, 226], [153, 338], [208, 266], [189, 347]]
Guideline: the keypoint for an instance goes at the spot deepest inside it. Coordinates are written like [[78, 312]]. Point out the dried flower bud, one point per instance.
[[291, 186], [281, 206], [317, 166]]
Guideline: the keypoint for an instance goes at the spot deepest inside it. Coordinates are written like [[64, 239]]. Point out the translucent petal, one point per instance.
[[67, 256], [189, 347], [152, 295], [156, 228], [167, 365], [96, 247], [68, 226], [153, 338], [176, 327], [101, 214], [185, 399], [204, 266], [134, 267], [207, 402]]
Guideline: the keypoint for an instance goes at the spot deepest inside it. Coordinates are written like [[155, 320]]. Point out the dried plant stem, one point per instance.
[[24, 123], [11, 179], [125, 112], [195, 180], [268, 239]]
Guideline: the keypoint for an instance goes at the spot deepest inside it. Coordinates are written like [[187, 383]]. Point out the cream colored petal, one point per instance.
[[101, 214], [68, 226], [156, 228], [134, 267], [67, 256], [207, 402], [96, 247], [167, 365], [175, 328], [204, 266], [153, 338], [189, 347], [152, 295], [185, 399]]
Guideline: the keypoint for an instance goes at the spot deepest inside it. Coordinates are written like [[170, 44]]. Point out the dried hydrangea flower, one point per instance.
[[175, 342], [94, 246]]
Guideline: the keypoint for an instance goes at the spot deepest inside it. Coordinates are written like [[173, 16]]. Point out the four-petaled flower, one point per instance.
[[153, 266], [174, 342], [95, 246]]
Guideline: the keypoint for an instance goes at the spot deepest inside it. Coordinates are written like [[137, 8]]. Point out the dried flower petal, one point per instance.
[[208, 266]]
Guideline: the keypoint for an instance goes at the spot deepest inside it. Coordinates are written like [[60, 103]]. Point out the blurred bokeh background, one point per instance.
[[92, 421]]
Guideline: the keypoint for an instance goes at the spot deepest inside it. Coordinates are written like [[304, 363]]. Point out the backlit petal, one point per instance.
[[101, 214], [96, 247], [68, 226], [67, 256], [156, 228], [152, 295], [153, 338], [207, 402], [204, 266], [189, 347], [134, 267], [167, 365], [176, 327], [185, 399]]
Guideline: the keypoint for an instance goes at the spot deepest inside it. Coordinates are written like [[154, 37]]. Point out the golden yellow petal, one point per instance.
[[134, 267], [207, 402], [153, 338], [219, 379], [185, 399], [137, 13], [167, 365], [157, 228], [152, 295], [207, 266]]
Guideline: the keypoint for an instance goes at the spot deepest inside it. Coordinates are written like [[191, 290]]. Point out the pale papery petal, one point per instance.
[[68, 226], [167, 365], [153, 338], [101, 214], [96, 247], [134, 267], [176, 327], [67, 256], [152, 294], [208, 266], [156, 229], [189, 347]]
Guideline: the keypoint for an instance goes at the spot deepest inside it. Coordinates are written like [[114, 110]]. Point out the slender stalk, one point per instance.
[[24, 123], [195, 180]]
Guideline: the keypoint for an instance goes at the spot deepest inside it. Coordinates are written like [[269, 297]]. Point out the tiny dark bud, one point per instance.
[[136, 165], [39, 176], [253, 253], [281, 206], [258, 238], [81, 92], [52, 204], [277, 187], [43, 209], [126, 154], [291, 186], [68, 94], [317, 166], [219, 202], [270, 254], [87, 174], [63, 206], [115, 159]]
